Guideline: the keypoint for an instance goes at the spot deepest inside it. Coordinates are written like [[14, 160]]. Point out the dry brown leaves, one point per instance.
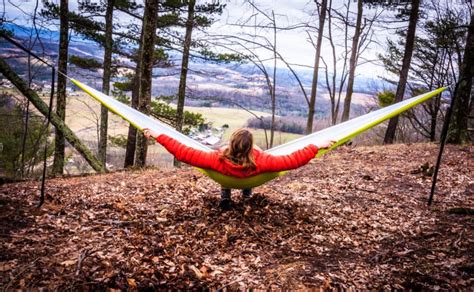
[[355, 219]]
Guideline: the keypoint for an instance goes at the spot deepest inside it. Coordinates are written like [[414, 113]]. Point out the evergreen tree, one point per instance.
[[106, 80], [59, 142], [463, 107], [147, 58], [438, 49], [409, 44]]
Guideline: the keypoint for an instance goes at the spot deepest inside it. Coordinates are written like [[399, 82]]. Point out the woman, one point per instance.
[[239, 159]]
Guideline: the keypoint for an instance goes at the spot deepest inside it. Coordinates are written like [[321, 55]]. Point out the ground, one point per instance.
[[357, 218]]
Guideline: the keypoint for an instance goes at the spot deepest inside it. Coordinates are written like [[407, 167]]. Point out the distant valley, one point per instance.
[[209, 84]]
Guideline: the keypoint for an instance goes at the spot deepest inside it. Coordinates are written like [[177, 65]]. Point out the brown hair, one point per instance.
[[240, 149]]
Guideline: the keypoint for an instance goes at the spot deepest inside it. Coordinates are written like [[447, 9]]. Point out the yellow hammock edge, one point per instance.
[[257, 180]]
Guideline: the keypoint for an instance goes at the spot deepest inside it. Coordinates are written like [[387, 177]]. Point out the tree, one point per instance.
[[106, 80], [437, 55], [340, 51], [353, 63], [184, 69], [147, 58], [314, 84], [334, 89], [56, 120], [458, 130], [409, 44], [17, 153], [59, 142]]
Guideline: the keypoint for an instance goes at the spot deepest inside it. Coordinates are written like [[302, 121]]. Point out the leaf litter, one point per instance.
[[356, 219]]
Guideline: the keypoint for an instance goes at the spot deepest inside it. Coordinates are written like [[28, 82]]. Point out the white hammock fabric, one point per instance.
[[340, 133]]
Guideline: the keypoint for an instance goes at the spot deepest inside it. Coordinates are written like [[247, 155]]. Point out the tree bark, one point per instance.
[[352, 64], [273, 93], [56, 120], [409, 45], [184, 70], [104, 113], [132, 131], [59, 143], [314, 85], [458, 130], [147, 60]]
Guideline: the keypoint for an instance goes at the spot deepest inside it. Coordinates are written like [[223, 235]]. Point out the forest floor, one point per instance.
[[357, 218]]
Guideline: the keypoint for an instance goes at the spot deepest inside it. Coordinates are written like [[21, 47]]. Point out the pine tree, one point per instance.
[[409, 44], [147, 57], [59, 142], [106, 80], [458, 130]]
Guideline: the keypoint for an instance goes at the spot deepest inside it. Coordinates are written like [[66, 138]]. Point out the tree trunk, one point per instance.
[[56, 120], [458, 129], [106, 82], [132, 131], [147, 60], [409, 45], [352, 64], [314, 85], [184, 70], [273, 93], [59, 143]]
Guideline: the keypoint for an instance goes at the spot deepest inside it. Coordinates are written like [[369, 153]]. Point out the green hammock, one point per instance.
[[340, 133]]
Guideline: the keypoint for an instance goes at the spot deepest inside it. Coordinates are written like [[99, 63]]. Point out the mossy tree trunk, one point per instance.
[[56, 120]]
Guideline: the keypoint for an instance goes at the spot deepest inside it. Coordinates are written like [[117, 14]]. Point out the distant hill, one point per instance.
[[209, 84]]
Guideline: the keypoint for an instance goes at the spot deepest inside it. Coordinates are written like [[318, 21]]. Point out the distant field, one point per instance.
[[237, 118]]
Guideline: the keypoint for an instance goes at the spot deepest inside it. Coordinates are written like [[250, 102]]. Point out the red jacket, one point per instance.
[[212, 160]]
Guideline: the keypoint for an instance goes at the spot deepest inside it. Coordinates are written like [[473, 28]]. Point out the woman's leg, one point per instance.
[[226, 200], [246, 193]]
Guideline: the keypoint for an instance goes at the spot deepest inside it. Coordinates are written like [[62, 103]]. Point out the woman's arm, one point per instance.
[[185, 153], [272, 163]]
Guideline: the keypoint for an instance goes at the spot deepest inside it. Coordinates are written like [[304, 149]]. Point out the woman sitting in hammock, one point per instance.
[[241, 158]]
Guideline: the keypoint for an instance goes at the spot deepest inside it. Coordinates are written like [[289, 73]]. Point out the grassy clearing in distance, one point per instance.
[[219, 116], [237, 118]]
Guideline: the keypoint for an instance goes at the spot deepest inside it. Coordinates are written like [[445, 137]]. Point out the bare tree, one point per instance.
[[314, 84], [353, 63]]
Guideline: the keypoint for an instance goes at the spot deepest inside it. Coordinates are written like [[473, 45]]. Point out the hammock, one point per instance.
[[340, 133]]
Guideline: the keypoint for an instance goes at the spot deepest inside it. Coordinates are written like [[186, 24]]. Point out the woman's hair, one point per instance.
[[240, 149]]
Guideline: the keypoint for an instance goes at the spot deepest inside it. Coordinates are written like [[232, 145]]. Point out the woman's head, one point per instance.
[[240, 148]]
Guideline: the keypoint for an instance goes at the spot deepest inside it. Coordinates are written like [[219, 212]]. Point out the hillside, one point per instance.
[[356, 218], [219, 85]]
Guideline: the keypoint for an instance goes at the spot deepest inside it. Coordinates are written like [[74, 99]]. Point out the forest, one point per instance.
[[107, 107]]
